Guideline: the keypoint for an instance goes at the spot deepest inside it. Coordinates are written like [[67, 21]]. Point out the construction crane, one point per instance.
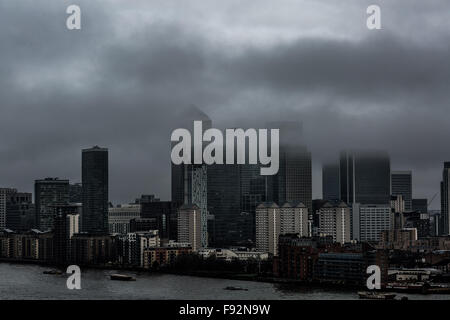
[[428, 205]]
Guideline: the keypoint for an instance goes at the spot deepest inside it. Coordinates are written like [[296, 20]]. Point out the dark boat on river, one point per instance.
[[122, 277]]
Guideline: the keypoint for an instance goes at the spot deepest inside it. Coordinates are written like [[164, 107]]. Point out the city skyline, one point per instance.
[[124, 88], [435, 204]]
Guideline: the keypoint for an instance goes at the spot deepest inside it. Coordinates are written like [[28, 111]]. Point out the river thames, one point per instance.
[[28, 282]]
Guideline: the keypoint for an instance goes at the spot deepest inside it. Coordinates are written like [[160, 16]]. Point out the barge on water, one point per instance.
[[376, 295], [122, 277]]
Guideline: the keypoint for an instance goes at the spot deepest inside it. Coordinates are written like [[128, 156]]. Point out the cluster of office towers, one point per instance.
[[226, 196], [88, 200], [233, 205]]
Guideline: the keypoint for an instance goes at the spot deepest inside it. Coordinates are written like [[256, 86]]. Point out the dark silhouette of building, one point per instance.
[[163, 215], [419, 221], [224, 202], [420, 205], [401, 183], [330, 182], [95, 190], [145, 198], [48, 193], [365, 177], [66, 220], [445, 199], [75, 193], [20, 212], [293, 182]]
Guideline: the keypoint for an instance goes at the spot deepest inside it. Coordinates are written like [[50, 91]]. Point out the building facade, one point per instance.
[[294, 219], [189, 226], [331, 182], [444, 221], [48, 193], [370, 221], [119, 217], [401, 183], [95, 190], [268, 227], [334, 221], [365, 177]]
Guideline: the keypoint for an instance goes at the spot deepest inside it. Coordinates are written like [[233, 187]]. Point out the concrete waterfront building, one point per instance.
[[95, 190], [294, 219], [334, 220], [190, 226], [370, 221], [133, 244], [119, 217], [48, 193], [268, 227], [401, 184]]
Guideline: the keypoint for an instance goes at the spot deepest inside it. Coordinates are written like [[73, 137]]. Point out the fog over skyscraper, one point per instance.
[[330, 182], [190, 181], [95, 190], [293, 182], [365, 177]]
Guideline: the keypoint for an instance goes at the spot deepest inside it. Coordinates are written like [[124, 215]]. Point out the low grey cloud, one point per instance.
[[124, 79]]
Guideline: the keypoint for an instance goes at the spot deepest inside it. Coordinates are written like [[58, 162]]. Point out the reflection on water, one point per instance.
[[29, 282]]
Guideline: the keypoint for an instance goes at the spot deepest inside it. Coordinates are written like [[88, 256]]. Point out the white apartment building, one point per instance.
[[294, 219], [190, 225], [268, 227], [369, 221], [334, 220]]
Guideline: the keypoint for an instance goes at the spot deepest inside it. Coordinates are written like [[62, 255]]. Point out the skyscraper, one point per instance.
[[190, 181], [224, 203], [95, 190], [293, 182], [330, 182], [48, 193], [401, 183], [5, 194], [445, 199], [365, 177]]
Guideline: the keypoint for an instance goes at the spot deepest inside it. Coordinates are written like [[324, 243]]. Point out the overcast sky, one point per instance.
[[121, 80]]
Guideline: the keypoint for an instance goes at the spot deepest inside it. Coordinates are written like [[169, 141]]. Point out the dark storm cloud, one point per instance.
[[124, 82]]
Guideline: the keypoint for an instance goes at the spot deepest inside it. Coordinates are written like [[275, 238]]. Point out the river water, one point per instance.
[[28, 282]]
